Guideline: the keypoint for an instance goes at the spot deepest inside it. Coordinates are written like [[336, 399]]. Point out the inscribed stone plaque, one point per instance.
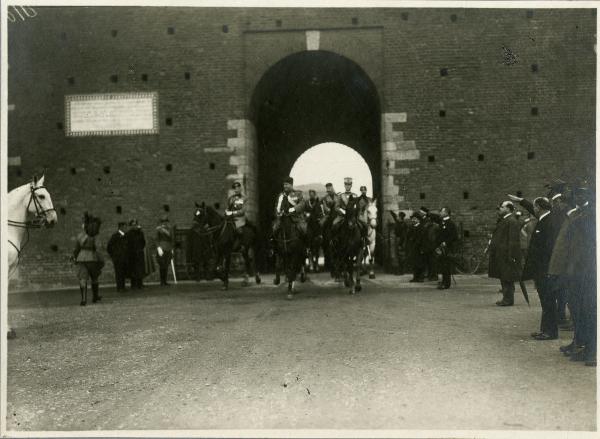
[[111, 114]]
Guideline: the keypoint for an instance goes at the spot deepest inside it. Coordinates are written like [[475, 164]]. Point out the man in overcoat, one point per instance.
[[164, 248], [117, 250], [536, 268], [505, 253], [446, 247]]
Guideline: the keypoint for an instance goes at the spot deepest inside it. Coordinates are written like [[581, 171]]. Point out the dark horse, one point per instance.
[[226, 240], [200, 247], [314, 238], [349, 247], [289, 248]]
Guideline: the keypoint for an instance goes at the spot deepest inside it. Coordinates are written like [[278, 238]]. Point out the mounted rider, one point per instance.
[[312, 206], [296, 208], [236, 208], [343, 199], [328, 203]]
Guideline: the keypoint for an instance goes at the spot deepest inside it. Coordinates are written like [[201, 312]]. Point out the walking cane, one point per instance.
[[173, 268]]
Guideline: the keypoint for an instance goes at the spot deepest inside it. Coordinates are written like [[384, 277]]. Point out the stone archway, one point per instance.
[[308, 98]]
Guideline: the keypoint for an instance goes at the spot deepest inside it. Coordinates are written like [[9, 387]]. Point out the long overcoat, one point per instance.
[[505, 250]]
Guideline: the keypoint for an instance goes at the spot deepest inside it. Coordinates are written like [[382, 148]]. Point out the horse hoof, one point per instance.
[[289, 296], [276, 281], [371, 276], [358, 288], [258, 279], [82, 303], [11, 334], [351, 292]]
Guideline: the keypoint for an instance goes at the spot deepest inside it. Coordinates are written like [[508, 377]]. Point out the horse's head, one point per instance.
[[40, 203], [372, 213], [200, 214]]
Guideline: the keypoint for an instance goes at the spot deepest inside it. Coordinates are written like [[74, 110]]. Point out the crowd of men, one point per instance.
[[426, 244], [556, 248]]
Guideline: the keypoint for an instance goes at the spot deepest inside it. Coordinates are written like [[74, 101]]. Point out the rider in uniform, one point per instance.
[[328, 203], [343, 199], [296, 208], [236, 208]]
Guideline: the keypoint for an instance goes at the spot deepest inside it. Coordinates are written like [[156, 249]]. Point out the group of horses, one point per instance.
[[213, 238]]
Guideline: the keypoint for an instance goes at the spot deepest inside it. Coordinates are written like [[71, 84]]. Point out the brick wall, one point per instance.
[[496, 101]]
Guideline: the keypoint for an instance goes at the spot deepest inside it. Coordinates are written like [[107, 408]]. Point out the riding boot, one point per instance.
[[95, 293], [83, 290]]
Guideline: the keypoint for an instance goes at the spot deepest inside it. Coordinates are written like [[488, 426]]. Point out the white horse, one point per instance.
[[369, 258], [31, 198]]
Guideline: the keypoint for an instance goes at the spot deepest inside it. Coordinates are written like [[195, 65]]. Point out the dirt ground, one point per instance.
[[395, 356]]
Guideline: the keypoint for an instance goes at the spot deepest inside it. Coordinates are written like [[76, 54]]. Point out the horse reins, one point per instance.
[[36, 223]]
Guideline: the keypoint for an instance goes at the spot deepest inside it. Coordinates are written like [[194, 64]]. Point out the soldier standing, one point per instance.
[[89, 262], [164, 248]]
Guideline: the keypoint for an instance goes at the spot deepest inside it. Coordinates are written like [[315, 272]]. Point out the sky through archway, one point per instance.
[[331, 162]]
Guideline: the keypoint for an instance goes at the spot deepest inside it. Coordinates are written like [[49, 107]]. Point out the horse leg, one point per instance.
[[253, 260], [371, 267], [351, 277], [226, 272], [277, 279], [246, 257]]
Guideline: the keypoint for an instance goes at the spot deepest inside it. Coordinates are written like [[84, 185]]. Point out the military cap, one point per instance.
[[363, 187], [289, 180], [347, 180]]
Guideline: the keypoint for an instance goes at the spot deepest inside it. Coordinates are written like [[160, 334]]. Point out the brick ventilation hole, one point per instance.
[[217, 206], [71, 80], [530, 14], [170, 30], [114, 78], [166, 207], [106, 169], [99, 179], [169, 167], [59, 125], [114, 33], [453, 18], [444, 72], [480, 157], [54, 247], [442, 113], [119, 209], [169, 121], [73, 171], [534, 68], [465, 195], [404, 16], [225, 29], [530, 155], [63, 211], [519, 193], [144, 77], [431, 158], [278, 23], [534, 111], [187, 75], [211, 166], [422, 196], [19, 172], [466, 234], [354, 21]]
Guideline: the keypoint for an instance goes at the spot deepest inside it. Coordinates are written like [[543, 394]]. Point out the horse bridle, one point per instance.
[[36, 223]]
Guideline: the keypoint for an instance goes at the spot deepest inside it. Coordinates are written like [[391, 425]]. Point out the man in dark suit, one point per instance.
[[401, 226], [117, 249], [446, 247], [414, 243], [505, 253], [536, 268]]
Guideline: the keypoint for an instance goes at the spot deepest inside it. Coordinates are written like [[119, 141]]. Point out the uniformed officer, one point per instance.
[[328, 204], [295, 210], [236, 207], [312, 206], [342, 202], [164, 248]]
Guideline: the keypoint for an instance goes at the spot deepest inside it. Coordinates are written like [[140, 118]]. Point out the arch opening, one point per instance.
[[306, 99]]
